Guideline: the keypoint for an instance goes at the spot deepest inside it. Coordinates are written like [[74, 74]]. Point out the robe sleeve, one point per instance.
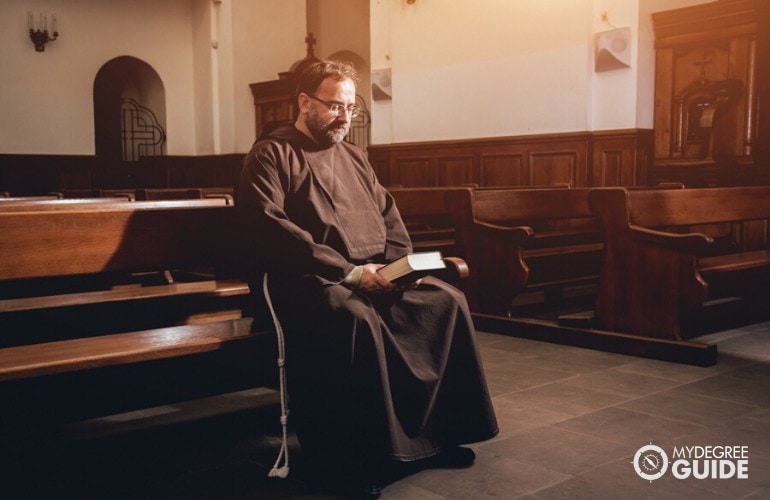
[[273, 237]]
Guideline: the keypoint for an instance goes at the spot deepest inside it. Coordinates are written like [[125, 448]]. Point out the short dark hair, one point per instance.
[[311, 76]]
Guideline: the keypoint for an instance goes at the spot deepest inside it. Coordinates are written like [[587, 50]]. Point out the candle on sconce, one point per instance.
[[38, 32]]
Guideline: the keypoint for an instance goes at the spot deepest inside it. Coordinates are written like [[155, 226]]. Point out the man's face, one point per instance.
[[326, 127]]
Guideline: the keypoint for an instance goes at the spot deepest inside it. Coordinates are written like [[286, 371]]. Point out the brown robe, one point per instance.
[[396, 374]]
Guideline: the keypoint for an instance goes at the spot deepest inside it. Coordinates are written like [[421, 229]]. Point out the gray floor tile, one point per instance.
[[490, 477], [515, 417], [505, 377], [564, 398], [557, 450], [731, 389], [679, 372], [628, 427], [622, 383], [678, 405], [618, 480]]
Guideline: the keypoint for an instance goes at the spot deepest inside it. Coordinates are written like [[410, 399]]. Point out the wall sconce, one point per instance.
[[39, 35]]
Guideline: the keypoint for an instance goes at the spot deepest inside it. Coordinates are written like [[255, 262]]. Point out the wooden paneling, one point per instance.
[[621, 159], [23, 175], [503, 170], [550, 168], [457, 170], [518, 161], [580, 159]]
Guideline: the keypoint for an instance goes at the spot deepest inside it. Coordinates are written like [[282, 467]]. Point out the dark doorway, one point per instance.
[[129, 111]]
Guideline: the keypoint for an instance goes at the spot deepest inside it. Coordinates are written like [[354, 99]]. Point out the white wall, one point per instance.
[[268, 37], [484, 68], [614, 95], [460, 68], [46, 99], [341, 29]]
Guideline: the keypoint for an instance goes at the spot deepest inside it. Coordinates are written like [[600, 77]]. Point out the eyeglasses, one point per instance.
[[336, 108]]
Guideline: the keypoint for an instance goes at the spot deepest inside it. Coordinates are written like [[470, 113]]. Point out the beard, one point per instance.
[[326, 134]]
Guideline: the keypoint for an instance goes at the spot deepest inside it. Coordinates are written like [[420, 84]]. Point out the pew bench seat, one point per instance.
[[711, 266], [36, 360], [208, 288]]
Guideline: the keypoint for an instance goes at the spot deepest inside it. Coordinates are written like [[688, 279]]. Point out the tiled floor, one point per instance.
[[571, 422]]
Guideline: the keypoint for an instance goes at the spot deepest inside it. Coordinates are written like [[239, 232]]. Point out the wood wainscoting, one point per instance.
[[36, 174], [582, 159]]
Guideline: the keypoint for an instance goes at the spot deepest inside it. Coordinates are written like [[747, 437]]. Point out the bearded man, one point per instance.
[[378, 374]]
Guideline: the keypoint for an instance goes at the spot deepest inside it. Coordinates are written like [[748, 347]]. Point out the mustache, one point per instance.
[[338, 124]]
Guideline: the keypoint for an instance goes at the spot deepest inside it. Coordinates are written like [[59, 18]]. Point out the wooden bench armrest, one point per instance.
[[456, 269], [510, 234], [689, 242]]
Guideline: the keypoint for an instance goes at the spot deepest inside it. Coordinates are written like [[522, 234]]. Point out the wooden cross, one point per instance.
[[310, 41], [702, 63]]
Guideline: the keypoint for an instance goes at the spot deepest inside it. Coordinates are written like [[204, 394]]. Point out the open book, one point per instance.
[[412, 267]]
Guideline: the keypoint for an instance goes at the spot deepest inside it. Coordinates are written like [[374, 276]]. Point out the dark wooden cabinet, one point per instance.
[[273, 101], [707, 93]]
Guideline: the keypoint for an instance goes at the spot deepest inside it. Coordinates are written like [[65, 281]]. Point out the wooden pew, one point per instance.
[[27, 199], [59, 204], [87, 296], [106, 204], [426, 218], [128, 194], [542, 239], [659, 267], [184, 194]]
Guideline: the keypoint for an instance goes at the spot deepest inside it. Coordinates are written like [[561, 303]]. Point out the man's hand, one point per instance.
[[372, 282]]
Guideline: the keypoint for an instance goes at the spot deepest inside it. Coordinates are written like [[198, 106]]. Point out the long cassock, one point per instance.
[[397, 373]]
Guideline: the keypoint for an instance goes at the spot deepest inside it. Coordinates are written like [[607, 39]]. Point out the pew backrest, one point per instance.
[[537, 209], [691, 206], [132, 237], [75, 204], [60, 204], [503, 205]]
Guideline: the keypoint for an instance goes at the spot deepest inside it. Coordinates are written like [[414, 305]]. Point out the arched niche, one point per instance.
[[129, 110]]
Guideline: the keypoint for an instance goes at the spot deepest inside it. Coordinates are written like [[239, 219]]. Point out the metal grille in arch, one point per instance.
[[360, 126], [141, 134]]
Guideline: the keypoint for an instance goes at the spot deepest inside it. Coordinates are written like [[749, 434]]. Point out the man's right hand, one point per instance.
[[371, 282]]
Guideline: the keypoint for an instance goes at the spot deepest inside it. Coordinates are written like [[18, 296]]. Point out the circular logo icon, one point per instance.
[[650, 462]]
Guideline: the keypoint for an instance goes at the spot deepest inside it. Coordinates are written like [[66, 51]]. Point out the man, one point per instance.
[[378, 374]]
